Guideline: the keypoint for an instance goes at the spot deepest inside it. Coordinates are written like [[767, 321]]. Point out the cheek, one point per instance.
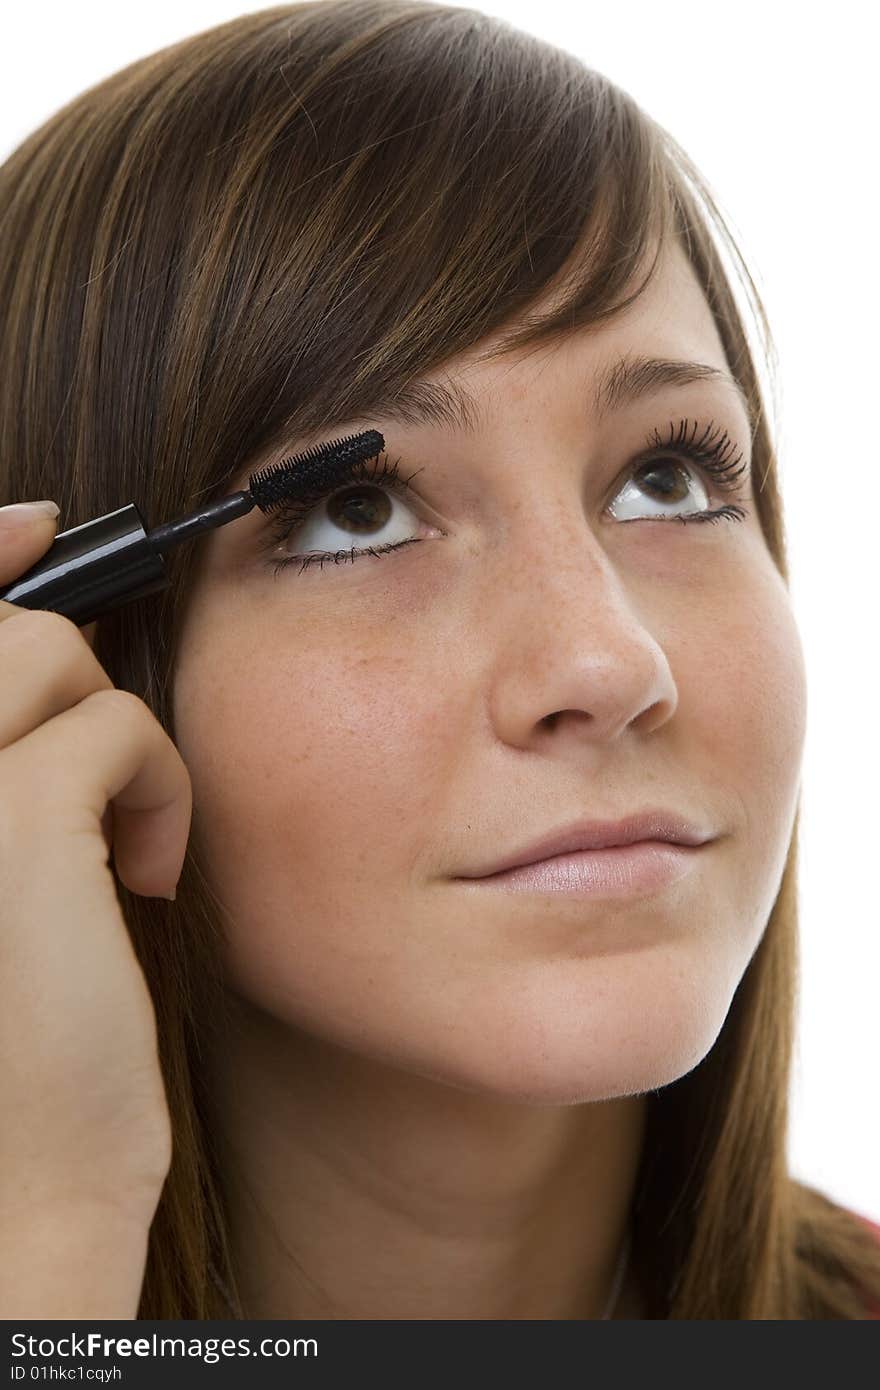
[[759, 681], [314, 776], [750, 703], [315, 767]]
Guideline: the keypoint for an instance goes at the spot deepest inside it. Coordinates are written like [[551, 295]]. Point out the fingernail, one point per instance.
[[24, 513]]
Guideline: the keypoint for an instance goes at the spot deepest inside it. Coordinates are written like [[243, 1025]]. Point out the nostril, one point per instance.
[[551, 720]]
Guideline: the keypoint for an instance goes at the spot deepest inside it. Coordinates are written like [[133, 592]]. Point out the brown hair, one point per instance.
[[252, 234]]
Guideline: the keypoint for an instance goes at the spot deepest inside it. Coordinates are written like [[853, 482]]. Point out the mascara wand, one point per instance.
[[112, 560]]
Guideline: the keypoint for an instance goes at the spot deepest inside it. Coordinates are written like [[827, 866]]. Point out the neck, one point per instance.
[[358, 1190]]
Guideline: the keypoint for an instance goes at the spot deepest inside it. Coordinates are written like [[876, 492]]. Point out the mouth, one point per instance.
[[618, 871], [650, 826]]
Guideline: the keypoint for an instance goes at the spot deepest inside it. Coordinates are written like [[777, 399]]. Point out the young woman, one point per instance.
[[353, 1070]]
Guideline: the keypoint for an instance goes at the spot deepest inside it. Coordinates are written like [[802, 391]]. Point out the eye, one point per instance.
[[358, 518], [665, 477], [665, 483]]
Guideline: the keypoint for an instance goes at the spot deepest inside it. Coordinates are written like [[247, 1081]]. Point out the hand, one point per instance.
[[84, 768]]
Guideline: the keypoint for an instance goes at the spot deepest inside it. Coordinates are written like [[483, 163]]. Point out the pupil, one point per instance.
[[671, 471]]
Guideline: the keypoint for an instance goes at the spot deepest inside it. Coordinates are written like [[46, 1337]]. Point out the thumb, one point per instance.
[[27, 529]]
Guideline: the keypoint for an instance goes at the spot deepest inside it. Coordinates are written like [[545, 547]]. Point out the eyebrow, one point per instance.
[[624, 381]]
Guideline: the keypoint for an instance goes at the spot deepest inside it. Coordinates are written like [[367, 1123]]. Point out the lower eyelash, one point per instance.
[[730, 510], [341, 556]]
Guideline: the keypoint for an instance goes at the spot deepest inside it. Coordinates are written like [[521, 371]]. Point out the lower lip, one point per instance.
[[621, 871]]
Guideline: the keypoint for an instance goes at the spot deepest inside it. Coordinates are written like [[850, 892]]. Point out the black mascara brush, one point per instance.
[[113, 559]]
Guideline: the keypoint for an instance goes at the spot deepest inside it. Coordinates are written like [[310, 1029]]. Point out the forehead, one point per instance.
[[666, 337], [670, 317]]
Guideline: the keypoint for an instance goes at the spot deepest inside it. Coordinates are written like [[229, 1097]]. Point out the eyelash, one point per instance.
[[711, 454]]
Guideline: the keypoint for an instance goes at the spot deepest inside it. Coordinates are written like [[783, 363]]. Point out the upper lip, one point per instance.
[[651, 824]]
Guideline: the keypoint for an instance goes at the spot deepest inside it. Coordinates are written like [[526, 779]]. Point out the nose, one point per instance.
[[574, 650]]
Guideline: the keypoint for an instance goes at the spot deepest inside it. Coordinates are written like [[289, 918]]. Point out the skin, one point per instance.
[[432, 1104]]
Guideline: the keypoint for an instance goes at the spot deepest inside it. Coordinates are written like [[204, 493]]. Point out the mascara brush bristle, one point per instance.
[[269, 487]]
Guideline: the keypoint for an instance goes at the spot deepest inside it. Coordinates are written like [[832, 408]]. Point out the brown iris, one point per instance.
[[361, 508]]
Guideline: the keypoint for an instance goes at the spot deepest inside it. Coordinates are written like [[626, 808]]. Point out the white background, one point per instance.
[[777, 104]]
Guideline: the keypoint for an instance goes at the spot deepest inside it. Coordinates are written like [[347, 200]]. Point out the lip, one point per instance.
[[622, 871], [652, 824]]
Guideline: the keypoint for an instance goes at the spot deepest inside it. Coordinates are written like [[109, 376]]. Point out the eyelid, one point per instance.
[[401, 485], [714, 454]]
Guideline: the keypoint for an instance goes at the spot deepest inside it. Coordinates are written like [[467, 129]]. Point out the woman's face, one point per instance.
[[360, 734]]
